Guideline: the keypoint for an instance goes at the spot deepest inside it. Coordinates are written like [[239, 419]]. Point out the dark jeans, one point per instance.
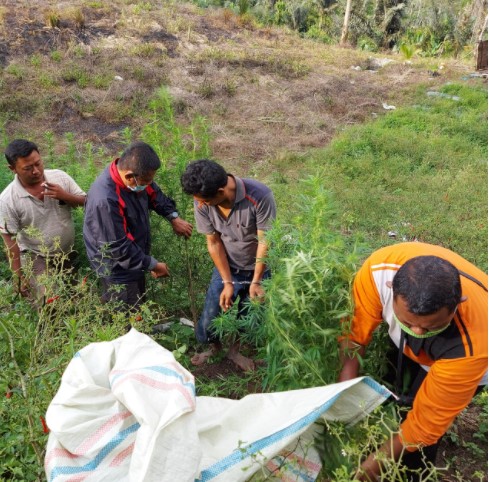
[[130, 294], [413, 375], [241, 279]]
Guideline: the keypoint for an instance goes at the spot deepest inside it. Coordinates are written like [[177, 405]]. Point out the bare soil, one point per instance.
[[266, 94]]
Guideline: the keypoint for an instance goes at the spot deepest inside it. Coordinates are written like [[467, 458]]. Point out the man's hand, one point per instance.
[[55, 191], [370, 469], [160, 271], [257, 291], [226, 298], [181, 227], [350, 364], [21, 286]]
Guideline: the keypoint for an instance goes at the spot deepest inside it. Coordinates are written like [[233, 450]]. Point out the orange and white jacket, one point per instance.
[[456, 359]]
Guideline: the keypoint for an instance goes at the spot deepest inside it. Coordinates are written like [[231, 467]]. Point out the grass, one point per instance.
[[286, 65], [420, 172]]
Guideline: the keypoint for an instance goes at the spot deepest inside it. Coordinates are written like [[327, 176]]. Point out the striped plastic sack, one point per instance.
[[127, 411]]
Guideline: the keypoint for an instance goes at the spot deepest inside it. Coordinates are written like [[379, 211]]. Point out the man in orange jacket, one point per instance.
[[435, 303]]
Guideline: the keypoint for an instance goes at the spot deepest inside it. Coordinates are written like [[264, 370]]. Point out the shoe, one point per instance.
[[162, 327], [185, 322]]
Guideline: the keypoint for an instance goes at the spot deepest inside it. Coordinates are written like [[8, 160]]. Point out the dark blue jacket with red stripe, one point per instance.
[[116, 227]]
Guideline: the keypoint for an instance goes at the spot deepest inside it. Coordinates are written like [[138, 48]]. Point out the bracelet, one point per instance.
[[227, 282]]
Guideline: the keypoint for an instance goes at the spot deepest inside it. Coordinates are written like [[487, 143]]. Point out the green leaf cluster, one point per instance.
[[308, 295]]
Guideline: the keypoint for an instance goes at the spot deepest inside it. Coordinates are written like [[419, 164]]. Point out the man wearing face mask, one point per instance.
[[435, 305], [116, 228]]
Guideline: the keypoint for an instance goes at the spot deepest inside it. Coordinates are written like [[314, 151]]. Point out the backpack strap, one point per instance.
[[471, 278]]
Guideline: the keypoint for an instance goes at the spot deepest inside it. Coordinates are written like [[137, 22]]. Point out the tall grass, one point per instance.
[[419, 173], [38, 343]]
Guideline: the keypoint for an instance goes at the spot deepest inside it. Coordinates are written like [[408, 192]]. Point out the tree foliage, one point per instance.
[[434, 27]]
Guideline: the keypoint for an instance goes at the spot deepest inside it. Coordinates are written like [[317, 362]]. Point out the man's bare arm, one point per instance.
[[13, 252]]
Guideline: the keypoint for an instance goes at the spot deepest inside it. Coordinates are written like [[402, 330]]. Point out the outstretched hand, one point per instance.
[[160, 271], [182, 227]]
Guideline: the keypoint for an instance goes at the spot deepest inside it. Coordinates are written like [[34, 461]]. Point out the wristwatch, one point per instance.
[[173, 215]]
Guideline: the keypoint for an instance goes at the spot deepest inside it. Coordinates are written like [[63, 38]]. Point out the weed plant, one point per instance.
[[38, 341], [308, 295]]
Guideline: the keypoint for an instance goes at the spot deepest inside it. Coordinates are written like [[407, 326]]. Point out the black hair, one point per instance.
[[140, 158], [19, 148], [427, 284], [203, 178]]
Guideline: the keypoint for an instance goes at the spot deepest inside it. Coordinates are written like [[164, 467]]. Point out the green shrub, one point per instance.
[[308, 294]]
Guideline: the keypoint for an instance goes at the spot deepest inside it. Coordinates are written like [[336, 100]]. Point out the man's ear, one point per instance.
[[12, 168], [388, 284], [128, 175]]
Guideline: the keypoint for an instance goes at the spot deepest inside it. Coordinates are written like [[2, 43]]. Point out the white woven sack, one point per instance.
[[127, 411]]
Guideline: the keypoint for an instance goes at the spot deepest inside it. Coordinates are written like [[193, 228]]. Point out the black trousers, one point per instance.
[[412, 376], [130, 294]]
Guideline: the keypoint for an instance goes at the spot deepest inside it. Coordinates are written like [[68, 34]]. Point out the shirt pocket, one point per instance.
[[246, 227]]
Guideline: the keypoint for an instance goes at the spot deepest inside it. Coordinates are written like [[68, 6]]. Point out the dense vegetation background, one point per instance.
[[362, 146]]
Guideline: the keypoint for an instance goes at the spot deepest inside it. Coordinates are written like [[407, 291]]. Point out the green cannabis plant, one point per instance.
[[308, 294]]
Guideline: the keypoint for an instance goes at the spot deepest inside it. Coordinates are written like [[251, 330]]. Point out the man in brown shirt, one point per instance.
[[234, 214]]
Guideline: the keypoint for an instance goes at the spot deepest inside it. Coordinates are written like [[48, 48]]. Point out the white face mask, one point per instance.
[[137, 187]]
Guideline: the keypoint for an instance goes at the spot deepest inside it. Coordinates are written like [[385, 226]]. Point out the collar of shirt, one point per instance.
[[240, 189], [114, 174], [21, 190]]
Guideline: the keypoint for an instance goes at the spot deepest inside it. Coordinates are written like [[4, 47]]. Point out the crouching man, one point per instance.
[[435, 303], [234, 214]]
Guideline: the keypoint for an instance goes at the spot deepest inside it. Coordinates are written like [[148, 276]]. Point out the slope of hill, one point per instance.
[[90, 67]]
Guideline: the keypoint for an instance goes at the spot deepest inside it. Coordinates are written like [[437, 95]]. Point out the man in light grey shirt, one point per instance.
[[234, 214], [35, 212]]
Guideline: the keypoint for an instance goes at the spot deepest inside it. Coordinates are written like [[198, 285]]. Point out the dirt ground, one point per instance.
[[266, 93]]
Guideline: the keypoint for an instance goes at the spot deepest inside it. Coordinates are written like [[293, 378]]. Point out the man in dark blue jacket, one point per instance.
[[116, 228]]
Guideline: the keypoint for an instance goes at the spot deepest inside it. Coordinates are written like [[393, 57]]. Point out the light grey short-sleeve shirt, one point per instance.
[[37, 223], [254, 209]]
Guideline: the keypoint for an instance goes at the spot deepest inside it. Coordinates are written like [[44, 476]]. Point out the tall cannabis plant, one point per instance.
[[308, 295]]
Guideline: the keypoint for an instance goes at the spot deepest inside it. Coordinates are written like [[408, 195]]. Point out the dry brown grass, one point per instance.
[[264, 91], [3, 13]]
